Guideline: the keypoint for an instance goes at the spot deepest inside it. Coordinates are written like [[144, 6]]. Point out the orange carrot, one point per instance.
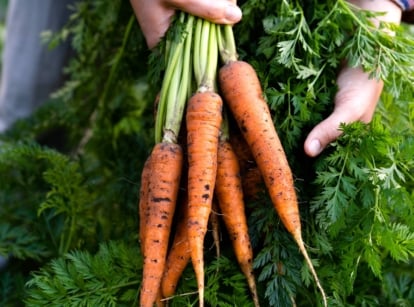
[[242, 92], [179, 254], [166, 165], [159, 301], [250, 174], [203, 119], [230, 200], [143, 200], [241, 148], [252, 182]]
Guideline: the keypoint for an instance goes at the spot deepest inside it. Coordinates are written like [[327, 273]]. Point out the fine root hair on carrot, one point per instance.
[[203, 119], [163, 186], [298, 238], [215, 226], [241, 89], [231, 203]]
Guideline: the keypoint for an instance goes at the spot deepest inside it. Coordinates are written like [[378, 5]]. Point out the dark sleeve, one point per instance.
[[405, 5]]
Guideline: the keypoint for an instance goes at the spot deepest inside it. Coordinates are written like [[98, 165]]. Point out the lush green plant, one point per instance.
[[70, 173]]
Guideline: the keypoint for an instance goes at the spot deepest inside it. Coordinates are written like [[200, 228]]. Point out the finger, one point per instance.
[[326, 132], [355, 100], [154, 19], [216, 11]]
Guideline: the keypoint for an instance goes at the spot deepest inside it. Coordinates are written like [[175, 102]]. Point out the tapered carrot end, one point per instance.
[[201, 295], [253, 290], [159, 301], [199, 272], [298, 238]]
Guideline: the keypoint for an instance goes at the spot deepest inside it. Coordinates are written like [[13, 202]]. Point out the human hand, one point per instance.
[[355, 100], [357, 95], [154, 16]]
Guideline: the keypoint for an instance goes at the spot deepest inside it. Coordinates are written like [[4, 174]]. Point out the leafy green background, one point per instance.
[[71, 172]]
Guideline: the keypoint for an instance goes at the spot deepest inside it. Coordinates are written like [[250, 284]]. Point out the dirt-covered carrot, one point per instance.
[[203, 120], [159, 301], [166, 162], [179, 254], [240, 147], [143, 200], [252, 181], [203, 125], [231, 202], [243, 94]]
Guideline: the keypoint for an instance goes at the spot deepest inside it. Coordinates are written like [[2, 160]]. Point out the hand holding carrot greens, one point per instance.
[[351, 103], [357, 95]]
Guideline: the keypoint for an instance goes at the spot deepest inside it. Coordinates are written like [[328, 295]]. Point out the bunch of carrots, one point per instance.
[[198, 166]]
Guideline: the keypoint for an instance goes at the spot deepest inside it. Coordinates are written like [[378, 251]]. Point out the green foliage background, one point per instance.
[[70, 174]]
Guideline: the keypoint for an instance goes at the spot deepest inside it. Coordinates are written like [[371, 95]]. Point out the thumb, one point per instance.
[[324, 133], [217, 11], [355, 100]]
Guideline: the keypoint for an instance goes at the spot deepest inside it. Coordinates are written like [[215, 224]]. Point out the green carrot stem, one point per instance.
[[179, 95], [227, 44], [168, 133], [203, 50], [175, 50], [196, 53], [207, 56], [212, 59]]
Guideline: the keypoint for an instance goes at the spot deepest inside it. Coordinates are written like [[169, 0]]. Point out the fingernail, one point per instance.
[[315, 147], [233, 13]]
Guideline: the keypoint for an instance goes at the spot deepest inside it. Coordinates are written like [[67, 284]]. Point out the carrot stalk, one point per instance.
[[197, 48], [178, 96], [174, 89], [243, 94]]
